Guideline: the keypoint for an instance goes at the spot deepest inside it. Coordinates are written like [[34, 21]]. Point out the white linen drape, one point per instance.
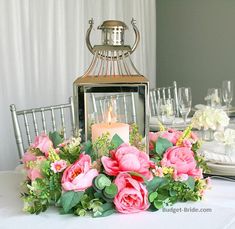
[[42, 51]]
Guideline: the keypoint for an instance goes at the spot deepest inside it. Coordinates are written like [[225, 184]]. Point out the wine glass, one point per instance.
[[214, 97], [185, 101], [166, 111], [227, 91]]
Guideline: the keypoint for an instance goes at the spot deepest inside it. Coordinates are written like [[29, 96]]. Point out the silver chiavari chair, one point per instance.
[[125, 109], [164, 93], [26, 123]]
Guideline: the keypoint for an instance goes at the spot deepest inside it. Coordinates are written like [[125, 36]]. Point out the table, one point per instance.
[[217, 210]]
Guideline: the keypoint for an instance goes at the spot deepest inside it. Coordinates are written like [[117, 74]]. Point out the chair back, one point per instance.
[[31, 122], [125, 108], [163, 93]]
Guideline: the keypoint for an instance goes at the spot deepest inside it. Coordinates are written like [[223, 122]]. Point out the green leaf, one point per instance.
[[101, 181], [172, 193], [70, 199], [190, 182], [107, 209], [152, 196], [55, 138], [155, 183], [162, 145], [116, 141], [110, 191], [88, 147], [158, 204]]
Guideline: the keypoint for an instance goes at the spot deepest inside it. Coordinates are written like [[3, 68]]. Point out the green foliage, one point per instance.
[[166, 191], [70, 152], [101, 147], [105, 210], [190, 182], [162, 145], [155, 183], [106, 190], [110, 191], [70, 199], [56, 138], [135, 137], [116, 141], [87, 147], [101, 181], [201, 163]]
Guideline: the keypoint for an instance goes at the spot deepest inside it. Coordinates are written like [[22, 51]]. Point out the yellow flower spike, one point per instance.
[[53, 156], [186, 134], [161, 126]]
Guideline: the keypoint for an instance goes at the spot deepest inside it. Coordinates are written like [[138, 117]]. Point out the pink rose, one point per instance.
[[43, 143], [132, 196], [34, 173], [34, 169], [27, 157], [172, 135], [182, 160], [153, 136], [79, 176], [127, 159], [152, 140]]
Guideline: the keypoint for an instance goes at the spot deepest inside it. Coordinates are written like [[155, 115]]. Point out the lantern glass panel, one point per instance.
[[127, 103]]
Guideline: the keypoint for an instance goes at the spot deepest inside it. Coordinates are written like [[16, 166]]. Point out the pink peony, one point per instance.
[[172, 135], [43, 143], [27, 157], [79, 176], [132, 196], [58, 166], [34, 169], [182, 160], [127, 159], [34, 173], [152, 139], [153, 136]]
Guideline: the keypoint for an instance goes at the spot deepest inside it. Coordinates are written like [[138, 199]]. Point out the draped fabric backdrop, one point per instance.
[[42, 51]]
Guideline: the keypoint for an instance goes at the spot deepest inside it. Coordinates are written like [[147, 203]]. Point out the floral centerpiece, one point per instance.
[[111, 176]]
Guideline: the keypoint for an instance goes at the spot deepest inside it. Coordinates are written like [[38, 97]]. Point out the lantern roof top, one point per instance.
[[112, 24]]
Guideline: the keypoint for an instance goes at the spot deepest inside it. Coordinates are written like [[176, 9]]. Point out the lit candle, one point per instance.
[[121, 129]]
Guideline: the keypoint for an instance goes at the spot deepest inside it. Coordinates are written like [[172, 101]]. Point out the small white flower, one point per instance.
[[210, 118]]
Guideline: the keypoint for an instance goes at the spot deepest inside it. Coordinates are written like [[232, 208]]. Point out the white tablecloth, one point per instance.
[[219, 201]]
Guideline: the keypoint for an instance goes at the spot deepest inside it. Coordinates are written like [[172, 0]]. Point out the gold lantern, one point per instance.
[[112, 94]]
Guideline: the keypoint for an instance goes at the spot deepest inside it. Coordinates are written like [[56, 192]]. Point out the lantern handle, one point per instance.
[[91, 49], [88, 43], [137, 36]]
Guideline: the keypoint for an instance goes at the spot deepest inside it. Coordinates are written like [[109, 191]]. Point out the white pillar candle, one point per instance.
[[121, 129]]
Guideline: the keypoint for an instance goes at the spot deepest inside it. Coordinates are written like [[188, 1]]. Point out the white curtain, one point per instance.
[[42, 51]]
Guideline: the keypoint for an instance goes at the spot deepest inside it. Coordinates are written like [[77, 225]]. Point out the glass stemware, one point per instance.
[[214, 98], [185, 102], [227, 91], [166, 111]]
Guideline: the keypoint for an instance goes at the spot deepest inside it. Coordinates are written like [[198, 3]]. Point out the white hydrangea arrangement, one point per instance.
[[210, 118]]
